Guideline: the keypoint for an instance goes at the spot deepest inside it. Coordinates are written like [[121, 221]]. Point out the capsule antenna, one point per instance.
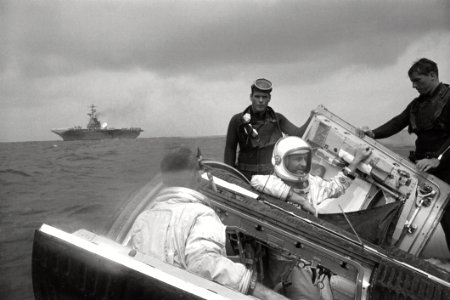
[[351, 226]]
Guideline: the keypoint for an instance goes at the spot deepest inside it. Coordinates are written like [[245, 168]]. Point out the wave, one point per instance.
[[77, 157], [74, 185], [32, 212], [15, 172]]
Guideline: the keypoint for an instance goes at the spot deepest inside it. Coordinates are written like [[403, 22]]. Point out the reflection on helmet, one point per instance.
[[291, 159]]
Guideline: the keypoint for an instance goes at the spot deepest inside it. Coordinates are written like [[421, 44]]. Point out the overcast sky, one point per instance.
[[183, 68]]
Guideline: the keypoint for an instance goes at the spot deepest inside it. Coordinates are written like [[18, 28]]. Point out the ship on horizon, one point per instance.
[[96, 131]]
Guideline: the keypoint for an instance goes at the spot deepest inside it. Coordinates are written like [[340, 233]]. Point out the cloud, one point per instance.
[[173, 37], [183, 68]]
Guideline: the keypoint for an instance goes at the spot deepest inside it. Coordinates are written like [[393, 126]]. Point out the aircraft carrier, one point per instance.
[[96, 131]]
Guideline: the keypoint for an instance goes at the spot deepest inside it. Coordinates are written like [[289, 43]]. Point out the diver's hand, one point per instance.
[[362, 131], [426, 164]]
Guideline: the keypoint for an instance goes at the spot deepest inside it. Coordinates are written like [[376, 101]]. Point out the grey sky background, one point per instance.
[[183, 68]]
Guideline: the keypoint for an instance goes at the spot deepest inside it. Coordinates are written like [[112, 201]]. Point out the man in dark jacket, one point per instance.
[[256, 130], [428, 116]]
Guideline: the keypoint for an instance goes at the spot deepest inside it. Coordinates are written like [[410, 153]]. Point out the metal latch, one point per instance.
[[424, 197]]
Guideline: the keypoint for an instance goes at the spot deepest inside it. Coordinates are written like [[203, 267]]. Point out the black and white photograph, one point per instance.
[[225, 149]]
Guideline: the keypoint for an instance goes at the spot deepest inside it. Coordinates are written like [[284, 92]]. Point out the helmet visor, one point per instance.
[[298, 162]]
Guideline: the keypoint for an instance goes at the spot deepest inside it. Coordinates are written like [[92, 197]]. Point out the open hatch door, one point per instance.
[[384, 178]]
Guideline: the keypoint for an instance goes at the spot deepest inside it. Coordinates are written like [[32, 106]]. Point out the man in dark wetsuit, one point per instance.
[[428, 116], [256, 130]]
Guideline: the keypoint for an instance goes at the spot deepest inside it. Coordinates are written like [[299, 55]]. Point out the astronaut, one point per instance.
[[292, 181]]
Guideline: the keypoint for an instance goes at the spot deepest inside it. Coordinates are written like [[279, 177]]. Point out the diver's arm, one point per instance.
[[392, 126], [440, 161], [231, 144], [289, 128]]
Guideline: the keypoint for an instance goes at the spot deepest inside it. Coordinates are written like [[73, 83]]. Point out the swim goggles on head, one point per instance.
[[263, 84]]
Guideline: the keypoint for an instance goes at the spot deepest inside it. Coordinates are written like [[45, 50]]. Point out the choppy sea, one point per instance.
[[72, 185]]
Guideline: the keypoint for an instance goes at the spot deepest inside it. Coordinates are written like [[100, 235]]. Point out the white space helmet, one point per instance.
[[286, 146]]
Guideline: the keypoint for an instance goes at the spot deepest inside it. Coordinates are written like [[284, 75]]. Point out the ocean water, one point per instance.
[[71, 185]]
